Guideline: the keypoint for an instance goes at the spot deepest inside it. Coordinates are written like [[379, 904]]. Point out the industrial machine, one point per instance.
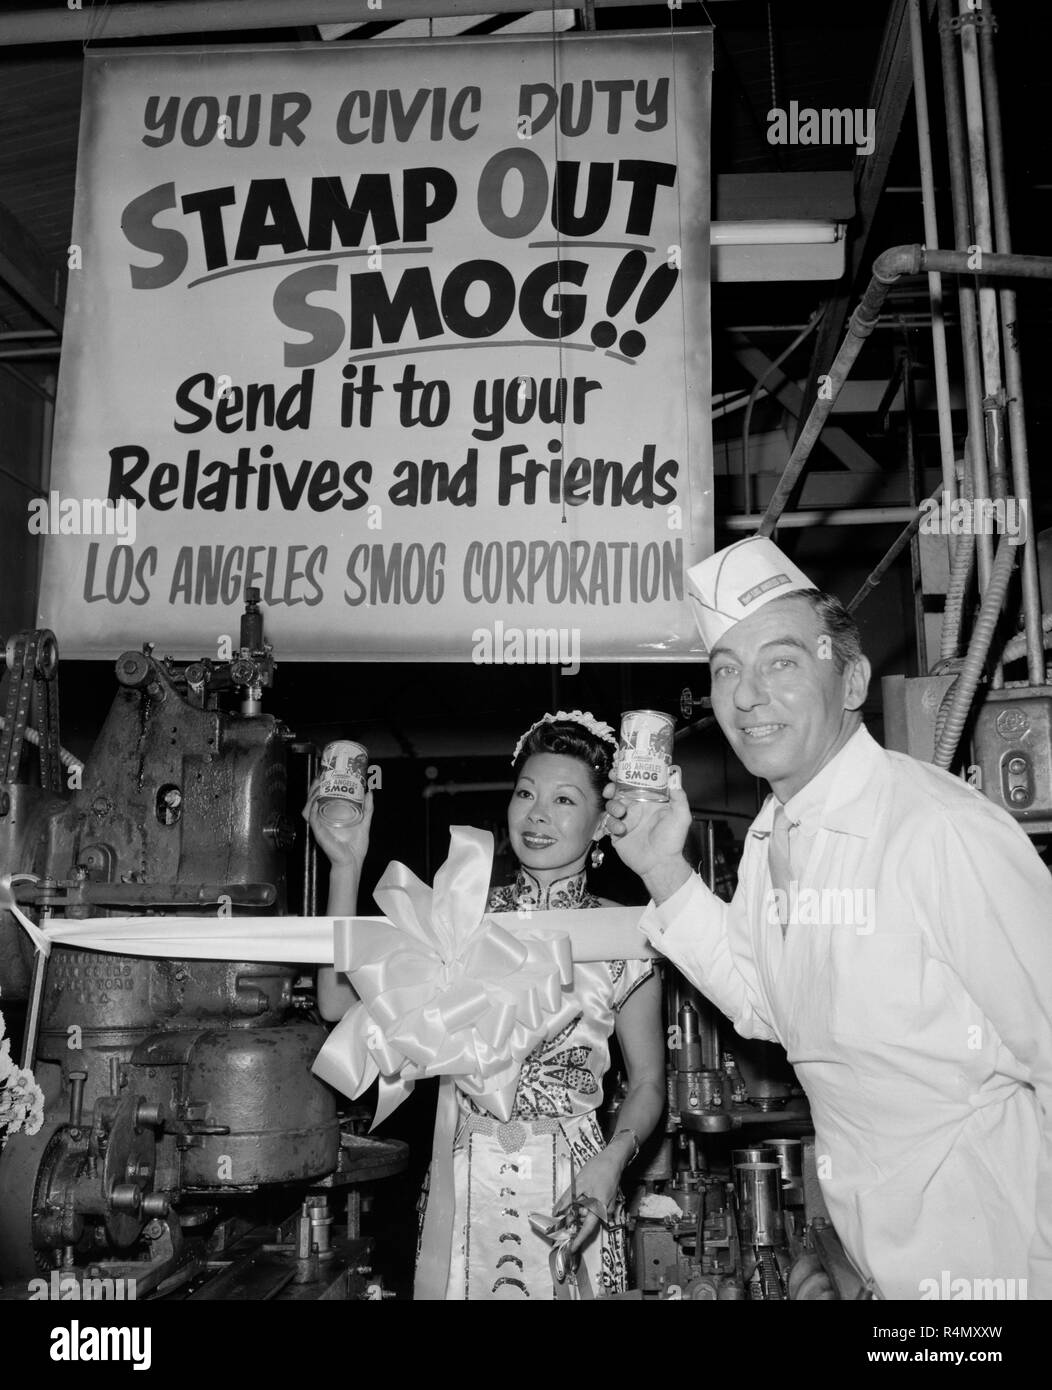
[[180, 1103]]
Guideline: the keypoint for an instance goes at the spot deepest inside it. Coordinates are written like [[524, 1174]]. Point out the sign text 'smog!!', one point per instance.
[[406, 331]]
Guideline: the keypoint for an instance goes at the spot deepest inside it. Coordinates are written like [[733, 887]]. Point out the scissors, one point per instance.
[[565, 1257]]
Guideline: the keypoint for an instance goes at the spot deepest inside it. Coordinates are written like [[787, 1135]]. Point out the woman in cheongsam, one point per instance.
[[504, 1172]]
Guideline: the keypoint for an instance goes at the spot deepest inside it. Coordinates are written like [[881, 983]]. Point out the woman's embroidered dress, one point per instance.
[[503, 1172]]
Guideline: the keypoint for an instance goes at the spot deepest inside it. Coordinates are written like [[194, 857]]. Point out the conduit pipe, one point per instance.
[[960, 576], [1019, 645], [963, 690], [1013, 365], [889, 266]]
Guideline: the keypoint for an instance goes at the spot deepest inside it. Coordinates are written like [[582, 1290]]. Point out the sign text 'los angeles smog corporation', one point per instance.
[[413, 338]]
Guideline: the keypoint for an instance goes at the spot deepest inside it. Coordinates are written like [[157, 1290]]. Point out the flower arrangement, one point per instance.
[[21, 1099]]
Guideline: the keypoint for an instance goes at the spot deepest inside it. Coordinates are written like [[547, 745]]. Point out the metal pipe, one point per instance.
[[227, 16], [989, 323], [916, 582], [729, 406], [710, 1021], [896, 548], [989, 335], [1013, 364], [842, 516], [973, 390], [931, 237], [816, 319], [894, 322], [887, 268], [309, 753]]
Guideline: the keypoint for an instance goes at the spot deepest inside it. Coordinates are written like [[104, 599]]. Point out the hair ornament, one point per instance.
[[572, 716]]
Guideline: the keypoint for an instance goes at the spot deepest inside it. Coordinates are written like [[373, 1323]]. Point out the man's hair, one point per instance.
[[836, 623]]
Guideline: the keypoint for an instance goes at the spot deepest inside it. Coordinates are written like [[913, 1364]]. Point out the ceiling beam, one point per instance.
[[813, 520], [26, 273], [837, 441], [98, 24], [855, 491], [889, 96]]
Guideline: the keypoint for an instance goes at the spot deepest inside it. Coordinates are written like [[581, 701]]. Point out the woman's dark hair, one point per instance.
[[573, 740]]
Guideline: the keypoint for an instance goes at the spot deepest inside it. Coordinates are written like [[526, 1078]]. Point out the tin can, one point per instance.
[[344, 778], [759, 1190], [644, 755], [755, 1153], [789, 1154]]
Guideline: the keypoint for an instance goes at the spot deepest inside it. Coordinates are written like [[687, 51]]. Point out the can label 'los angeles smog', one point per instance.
[[644, 755], [344, 778]]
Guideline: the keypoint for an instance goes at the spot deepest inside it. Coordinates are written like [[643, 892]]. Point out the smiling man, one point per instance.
[[922, 1033]]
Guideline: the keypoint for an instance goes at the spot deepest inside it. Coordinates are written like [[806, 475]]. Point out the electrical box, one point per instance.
[[1012, 746]]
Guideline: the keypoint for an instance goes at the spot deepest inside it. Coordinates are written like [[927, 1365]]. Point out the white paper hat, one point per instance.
[[737, 581]]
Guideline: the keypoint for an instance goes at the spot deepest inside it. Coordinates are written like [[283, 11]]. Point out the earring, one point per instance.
[[596, 857]]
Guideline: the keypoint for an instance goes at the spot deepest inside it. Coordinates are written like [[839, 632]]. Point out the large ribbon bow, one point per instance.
[[444, 989]]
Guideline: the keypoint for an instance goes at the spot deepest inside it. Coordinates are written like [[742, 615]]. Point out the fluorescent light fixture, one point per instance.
[[774, 233]]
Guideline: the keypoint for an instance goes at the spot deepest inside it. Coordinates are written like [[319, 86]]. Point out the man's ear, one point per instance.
[[856, 686]]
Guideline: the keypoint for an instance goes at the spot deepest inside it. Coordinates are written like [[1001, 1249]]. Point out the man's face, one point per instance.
[[778, 697]]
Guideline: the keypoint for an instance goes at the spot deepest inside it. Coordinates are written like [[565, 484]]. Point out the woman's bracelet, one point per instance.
[[635, 1142]]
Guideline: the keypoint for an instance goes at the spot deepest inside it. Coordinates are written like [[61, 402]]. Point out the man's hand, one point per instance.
[[649, 837]]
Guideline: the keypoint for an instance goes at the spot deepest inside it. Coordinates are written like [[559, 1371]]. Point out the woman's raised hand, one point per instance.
[[345, 845]]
